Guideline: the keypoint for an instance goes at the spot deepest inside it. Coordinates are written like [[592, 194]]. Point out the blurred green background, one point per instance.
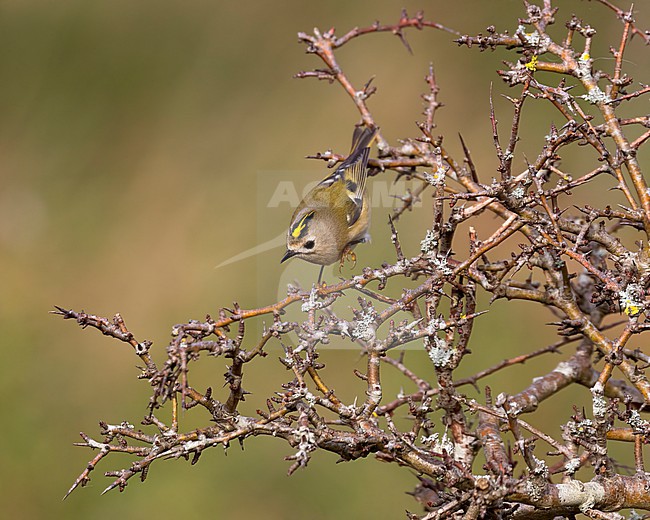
[[133, 140]]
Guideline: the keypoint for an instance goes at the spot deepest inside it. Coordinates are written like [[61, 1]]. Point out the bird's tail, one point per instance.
[[362, 137]]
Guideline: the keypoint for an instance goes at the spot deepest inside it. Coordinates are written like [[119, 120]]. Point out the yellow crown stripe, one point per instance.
[[301, 225]]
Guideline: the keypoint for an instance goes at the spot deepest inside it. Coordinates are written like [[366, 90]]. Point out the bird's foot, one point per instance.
[[348, 254]]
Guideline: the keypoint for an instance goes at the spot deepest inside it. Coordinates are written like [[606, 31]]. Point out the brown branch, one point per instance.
[[578, 258]]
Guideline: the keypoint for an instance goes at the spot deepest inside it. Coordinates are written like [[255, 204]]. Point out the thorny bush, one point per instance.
[[578, 267]]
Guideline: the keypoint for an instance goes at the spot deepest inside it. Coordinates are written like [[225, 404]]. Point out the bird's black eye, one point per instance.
[[309, 244]]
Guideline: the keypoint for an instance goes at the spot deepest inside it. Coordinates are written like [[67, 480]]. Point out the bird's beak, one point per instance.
[[288, 255]]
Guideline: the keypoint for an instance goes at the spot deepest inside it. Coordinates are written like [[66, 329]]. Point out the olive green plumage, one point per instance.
[[335, 215]]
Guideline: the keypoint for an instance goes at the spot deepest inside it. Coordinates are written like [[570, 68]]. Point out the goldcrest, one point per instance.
[[335, 215]]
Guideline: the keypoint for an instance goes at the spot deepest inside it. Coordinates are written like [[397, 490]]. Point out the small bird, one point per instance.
[[334, 216]]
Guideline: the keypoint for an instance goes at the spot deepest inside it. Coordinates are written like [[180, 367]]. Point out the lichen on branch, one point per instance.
[[552, 245]]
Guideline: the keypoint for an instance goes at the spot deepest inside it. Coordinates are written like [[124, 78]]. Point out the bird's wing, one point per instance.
[[352, 172]]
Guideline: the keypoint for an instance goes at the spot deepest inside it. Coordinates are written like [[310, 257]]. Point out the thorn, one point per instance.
[[402, 38]]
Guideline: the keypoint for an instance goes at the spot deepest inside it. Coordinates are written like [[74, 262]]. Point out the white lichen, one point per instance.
[[439, 352], [436, 178], [365, 326], [640, 426], [519, 192], [583, 70], [514, 409], [429, 243], [111, 428], [439, 445], [311, 302], [588, 505], [599, 404], [572, 465], [534, 39], [436, 324], [440, 263], [585, 426], [306, 444], [631, 299], [304, 393], [97, 445], [194, 445], [535, 486], [243, 421], [288, 360], [595, 96], [567, 369], [541, 468]]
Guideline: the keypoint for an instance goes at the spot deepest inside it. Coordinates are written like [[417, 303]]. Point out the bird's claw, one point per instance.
[[348, 254]]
